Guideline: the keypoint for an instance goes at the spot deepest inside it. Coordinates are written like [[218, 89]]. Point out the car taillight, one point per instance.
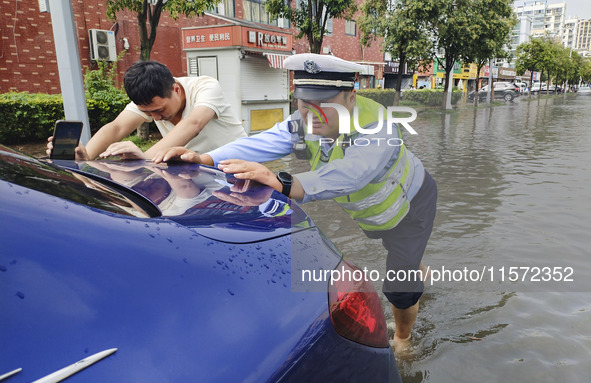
[[355, 307]]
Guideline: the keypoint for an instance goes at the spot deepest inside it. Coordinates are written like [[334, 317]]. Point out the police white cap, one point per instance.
[[319, 77]]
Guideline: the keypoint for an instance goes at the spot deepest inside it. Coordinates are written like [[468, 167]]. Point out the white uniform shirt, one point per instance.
[[203, 91]]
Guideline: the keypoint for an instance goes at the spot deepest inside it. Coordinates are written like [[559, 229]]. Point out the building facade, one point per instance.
[[27, 48], [540, 19], [583, 38], [237, 43]]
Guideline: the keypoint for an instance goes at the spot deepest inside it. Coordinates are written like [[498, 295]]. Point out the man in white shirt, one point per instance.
[[188, 111]]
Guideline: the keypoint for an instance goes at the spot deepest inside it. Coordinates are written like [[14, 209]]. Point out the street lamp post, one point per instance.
[[569, 57]]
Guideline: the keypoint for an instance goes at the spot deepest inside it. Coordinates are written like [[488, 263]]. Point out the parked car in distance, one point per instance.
[[521, 85], [536, 87], [502, 90], [584, 91], [552, 89], [137, 272]]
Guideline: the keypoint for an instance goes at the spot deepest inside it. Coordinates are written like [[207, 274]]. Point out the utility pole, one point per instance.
[[68, 62], [490, 79]]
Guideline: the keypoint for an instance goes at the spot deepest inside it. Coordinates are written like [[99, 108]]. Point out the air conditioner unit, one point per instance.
[[102, 45]]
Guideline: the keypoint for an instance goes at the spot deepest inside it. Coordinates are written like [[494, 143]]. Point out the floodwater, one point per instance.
[[514, 186]]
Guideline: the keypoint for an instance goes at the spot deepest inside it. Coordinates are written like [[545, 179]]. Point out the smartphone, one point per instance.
[[66, 136]]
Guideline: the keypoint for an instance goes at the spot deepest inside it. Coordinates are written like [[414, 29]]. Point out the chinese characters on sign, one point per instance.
[[264, 39], [233, 35], [212, 37]]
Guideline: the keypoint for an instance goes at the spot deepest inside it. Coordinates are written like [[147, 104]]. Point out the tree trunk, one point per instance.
[[398, 93], [143, 131]]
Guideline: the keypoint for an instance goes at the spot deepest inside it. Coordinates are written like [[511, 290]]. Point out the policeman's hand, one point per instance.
[[243, 193], [126, 149], [80, 152], [246, 170], [177, 153]]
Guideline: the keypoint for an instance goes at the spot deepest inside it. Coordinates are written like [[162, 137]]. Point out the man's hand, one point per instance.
[[246, 170], [80, 151], [126, 149], [177, 153]]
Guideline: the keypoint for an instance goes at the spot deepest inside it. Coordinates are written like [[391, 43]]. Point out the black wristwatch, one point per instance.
[[286, 180]]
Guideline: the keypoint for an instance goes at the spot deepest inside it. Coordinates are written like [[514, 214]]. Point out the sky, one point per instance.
[[579, 8]]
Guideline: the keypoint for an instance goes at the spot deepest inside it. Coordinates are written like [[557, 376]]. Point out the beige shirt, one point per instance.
[[206, 91]]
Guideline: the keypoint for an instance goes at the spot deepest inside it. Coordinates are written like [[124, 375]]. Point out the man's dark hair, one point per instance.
[[145, 80]]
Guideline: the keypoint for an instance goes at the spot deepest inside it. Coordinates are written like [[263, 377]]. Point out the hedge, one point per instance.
[[31, 116], [424, 97]]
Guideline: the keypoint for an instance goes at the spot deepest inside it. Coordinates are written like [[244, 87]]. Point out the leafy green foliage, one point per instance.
[[463, 29], [406, 36], [310, 16], [148, 13], [556, 63], [422, 97], [32, 116]]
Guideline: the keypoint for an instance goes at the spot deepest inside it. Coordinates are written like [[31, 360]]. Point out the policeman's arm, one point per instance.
[[247, 170], [187, 129]]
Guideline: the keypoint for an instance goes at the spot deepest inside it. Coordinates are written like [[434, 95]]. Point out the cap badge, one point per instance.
[[311, 67]]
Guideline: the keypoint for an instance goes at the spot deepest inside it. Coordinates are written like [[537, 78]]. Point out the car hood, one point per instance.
[[200, 198]]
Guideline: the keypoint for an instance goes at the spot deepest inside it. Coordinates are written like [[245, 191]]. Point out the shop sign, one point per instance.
[[507, 72], [495, 72], [268, 40], [394, 67], [209, 37], [263, 39], [226, 36]]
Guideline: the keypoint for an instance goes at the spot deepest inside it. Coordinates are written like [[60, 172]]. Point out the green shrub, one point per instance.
[[424, 97], [382, 96], [430, 97], [31, 116]]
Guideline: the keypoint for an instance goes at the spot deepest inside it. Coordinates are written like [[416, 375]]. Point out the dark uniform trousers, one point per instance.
[[406, 244]]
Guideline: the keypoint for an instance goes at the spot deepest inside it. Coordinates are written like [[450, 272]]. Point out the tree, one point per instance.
[[492, 25], [449, 22], [529, 57], [310, 16], [149, 12], [405, 35], [585, 71], [549, 60]]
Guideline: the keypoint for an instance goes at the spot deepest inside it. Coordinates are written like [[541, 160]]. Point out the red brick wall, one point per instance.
[[27, 50]]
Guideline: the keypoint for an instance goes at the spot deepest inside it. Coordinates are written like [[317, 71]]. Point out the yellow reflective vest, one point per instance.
[[381, 204]]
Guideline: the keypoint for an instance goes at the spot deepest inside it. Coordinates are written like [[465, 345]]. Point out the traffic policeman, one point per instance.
[[367, 171]]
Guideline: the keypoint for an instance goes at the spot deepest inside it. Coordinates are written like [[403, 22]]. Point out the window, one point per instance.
[[225, 8], [254, 10], [329, 26], [350, 28]]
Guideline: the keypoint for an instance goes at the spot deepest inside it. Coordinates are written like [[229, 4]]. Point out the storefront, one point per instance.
[[498, 74], [391, 75], [248, 63]]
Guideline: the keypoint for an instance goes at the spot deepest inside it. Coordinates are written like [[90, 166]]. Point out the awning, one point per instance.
[[275, 60]]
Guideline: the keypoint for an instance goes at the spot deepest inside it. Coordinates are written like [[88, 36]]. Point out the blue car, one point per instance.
[[127, 271]]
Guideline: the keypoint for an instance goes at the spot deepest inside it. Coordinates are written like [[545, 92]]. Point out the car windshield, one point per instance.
[[27, 172]]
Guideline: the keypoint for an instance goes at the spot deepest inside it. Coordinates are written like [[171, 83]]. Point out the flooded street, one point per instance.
[[514, 184]]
